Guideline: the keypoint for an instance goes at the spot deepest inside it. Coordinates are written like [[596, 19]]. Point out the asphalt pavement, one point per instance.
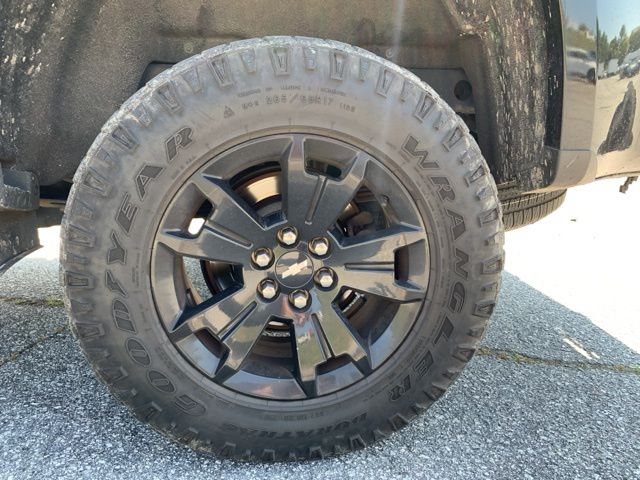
[[553, 393]]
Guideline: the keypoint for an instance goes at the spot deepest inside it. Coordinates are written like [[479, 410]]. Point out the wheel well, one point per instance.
[[476, 54]]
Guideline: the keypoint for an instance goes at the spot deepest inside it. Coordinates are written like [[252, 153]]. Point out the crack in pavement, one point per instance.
[[44, 302], [13, 356], [499, 354], [517, 357]]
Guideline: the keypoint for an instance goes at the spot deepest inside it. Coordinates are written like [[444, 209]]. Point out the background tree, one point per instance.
[[634, 40], [623, 44], [604, 49]]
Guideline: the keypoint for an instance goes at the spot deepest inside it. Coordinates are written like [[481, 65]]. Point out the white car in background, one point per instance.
[[612, 68], [608, 69], [581, 64]]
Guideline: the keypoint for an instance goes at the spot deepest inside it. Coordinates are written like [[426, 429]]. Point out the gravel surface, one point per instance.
[[554, 392]]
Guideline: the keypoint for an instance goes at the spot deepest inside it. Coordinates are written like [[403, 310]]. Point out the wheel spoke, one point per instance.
[[381, 282], [207, 245], [240, 337], [230, 211], [314, 202], [229, 234], [377, 247], [340, 337], [216, 314], [367, 263], [311, 351]]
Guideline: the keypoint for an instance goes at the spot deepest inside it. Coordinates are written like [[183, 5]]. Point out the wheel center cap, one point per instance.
[[294, 269]]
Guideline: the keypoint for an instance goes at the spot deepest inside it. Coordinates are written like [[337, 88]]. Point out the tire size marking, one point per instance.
[[347, 107], [275, 99], [249, 105]]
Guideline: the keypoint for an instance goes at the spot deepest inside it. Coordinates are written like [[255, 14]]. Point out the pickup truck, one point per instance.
[[282, 222]]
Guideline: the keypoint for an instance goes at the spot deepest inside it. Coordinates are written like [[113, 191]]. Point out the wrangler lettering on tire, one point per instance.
[[294, 279]]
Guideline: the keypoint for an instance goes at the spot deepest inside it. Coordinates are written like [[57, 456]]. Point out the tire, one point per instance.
[[519, 210], [191, 117]]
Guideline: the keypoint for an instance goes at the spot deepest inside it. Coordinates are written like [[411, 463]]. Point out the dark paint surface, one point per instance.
[[66, 66]]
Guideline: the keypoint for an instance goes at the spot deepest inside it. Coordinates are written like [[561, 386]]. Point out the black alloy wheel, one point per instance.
[[313, 280]]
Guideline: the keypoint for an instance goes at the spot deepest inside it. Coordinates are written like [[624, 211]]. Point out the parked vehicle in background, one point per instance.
[[631, 65], [581, 64], [613, 67], [281, 247], [608, 69], [630, 69]]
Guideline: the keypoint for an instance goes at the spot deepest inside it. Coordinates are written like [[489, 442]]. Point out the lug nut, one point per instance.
[[262, 257], [319, 246], [268, 289], [288, 236], [299, 299], [325, 278]]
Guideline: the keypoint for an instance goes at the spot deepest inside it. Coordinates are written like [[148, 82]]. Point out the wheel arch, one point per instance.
[[76, 71]]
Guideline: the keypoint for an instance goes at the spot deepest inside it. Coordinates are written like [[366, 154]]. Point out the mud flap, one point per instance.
[[19, 196], [18, 237]]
